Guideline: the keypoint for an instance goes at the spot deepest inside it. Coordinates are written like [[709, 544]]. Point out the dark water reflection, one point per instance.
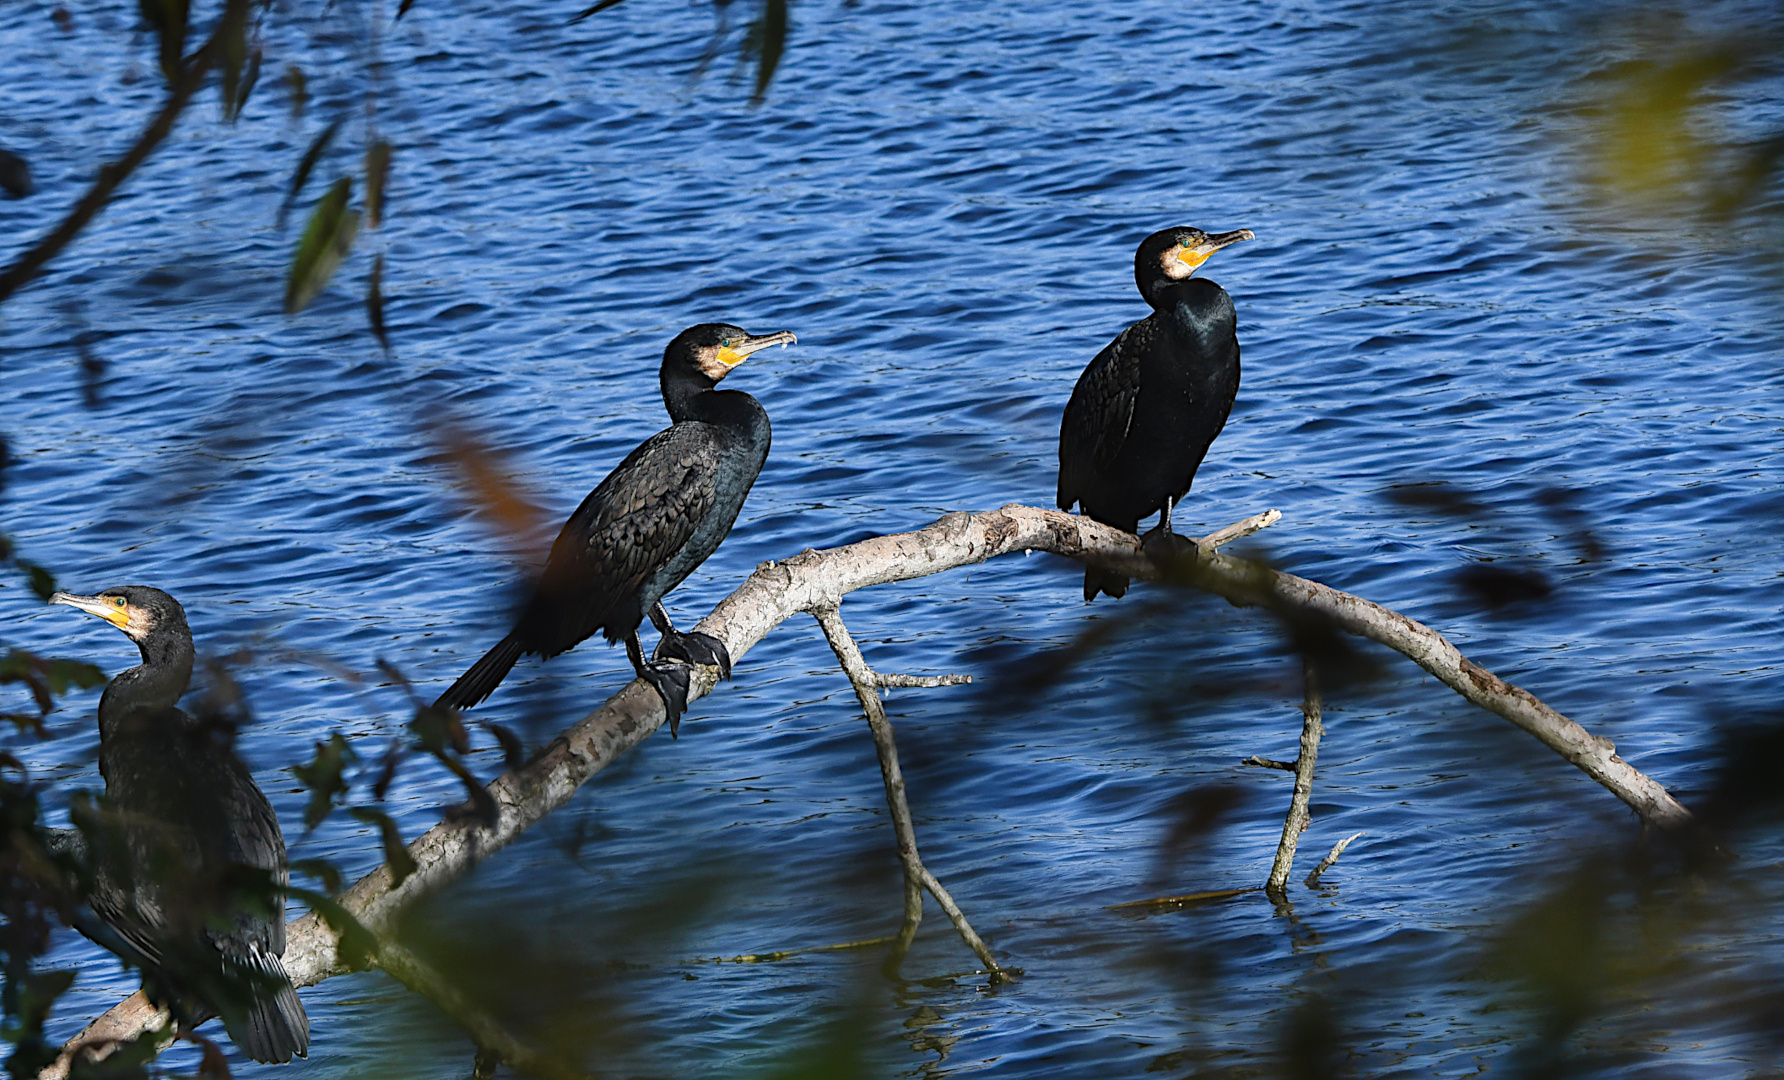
[[942, 201]]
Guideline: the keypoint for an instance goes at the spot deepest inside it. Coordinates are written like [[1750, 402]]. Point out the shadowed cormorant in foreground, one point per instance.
[[655, 518], [190, 861], [1149, 405]]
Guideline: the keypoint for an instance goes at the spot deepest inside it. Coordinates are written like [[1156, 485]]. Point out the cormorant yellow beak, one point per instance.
[[1197, 254], [736, 351], [113, 609]]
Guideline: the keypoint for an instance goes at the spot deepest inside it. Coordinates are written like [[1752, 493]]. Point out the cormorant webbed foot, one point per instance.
[[695, 648], [670, 678], [1175, 555], [692, 647]]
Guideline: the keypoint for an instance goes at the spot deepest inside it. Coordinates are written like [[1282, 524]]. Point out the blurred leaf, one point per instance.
[[374, 302], [493, 491], [42, 583], [598, 8], [212, 1065], [772, 41], [396, 853], [325, 243], [300, 92], [483, 804], [62, 674], [514, 752], [168, 19], [325, 778], [307, 165], [357, 945], [1500, 586], [232, 35], [440, 729], [377, 170], [320, 869]]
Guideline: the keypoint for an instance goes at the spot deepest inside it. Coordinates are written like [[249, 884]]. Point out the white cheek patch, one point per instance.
[[710, 365], [1176, 268]]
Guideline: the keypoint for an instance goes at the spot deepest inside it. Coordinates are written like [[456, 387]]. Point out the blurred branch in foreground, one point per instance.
[[815, 581], [184, 78]]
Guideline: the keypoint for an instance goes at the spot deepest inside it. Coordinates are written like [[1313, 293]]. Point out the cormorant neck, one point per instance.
[[688, 395], [156, 683], [1164, 293]]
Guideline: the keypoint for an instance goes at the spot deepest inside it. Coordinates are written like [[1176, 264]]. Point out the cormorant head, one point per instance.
[[713, 349], [1174, 254], [137, 610]]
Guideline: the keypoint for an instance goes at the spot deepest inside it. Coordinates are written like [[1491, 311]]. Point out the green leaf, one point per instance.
[[320, 869], [396, 853], [307, 164], [168, 17], [357, 945], [773, 42], [377, 170], [323, 776], [374, 302], [42, 583], [232, 34], [326, 241], [62, 674], [300, 91]]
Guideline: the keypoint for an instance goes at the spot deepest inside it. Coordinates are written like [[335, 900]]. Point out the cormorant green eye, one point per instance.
[[725, 344], [118, 600]]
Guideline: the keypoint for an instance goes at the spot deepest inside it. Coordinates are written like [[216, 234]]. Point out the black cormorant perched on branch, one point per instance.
[[1149, 405], [655, 518], [189, 862]]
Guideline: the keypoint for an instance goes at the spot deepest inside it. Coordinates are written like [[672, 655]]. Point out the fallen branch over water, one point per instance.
[[815, 581]]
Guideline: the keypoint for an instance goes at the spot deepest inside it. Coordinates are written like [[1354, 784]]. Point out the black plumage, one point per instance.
[[656, 517], [189, 863], [1149, 405]]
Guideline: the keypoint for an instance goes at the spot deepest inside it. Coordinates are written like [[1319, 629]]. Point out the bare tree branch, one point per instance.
[[816, 579], [112, 174]]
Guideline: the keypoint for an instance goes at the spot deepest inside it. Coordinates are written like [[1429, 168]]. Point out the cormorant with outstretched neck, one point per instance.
[[189, 862], [655, 518], [1149, 405]]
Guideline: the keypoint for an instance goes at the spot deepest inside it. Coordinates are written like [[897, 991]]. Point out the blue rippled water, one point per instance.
[[942, 201]]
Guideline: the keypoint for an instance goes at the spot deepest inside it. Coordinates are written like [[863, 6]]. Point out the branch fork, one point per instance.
[[917, 878]]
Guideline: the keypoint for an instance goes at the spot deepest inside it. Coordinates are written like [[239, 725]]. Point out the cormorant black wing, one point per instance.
[[634, 522], [1101, 410]]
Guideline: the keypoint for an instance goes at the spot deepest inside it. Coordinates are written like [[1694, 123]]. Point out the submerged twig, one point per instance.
[[1330, 860], [1298, 816]]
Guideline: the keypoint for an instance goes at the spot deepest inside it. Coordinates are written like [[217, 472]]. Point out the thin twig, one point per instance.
[[881, 679], [1187, 898], [866, 684], [771, 957], [1267, 763], [1330, 860], [1298, 816], [1238, 530]]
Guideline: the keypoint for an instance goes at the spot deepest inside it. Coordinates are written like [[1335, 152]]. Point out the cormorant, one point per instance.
[[189, 860], [1149, 405], [655, 518]]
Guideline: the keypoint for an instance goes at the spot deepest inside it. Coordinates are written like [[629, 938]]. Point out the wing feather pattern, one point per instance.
[[629, 526]]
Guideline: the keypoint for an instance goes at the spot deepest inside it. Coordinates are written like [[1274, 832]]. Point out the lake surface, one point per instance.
[[942, 201]]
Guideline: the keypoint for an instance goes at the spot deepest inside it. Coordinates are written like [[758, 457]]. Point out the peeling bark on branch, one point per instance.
[[813, 580]]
